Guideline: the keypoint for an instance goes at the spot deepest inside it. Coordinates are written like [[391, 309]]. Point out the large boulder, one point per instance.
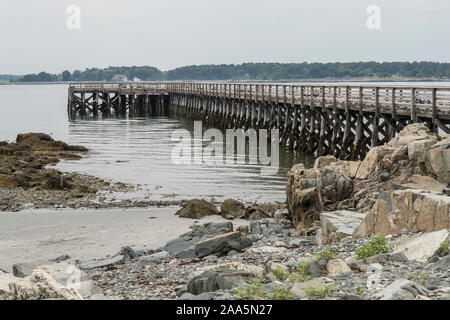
[[422, 246], [372, 161], [402, 210], [5, 280], [437, 160], [22, 270], [413, 133], [337, 267], [211, 281], [325, 161], [263, 210], [422, 182], [310, 191], [220, 245], [402, 289], [233, 209], [337, 225], [56, 281], [184, 246], [282, 218], [196, 209]]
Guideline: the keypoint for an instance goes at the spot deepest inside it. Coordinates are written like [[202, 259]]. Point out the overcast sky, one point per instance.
[[173, 33]]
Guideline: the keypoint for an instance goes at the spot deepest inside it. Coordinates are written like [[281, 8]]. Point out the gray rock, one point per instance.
[[338, 225], [255, 237], [61, 258], [362, 265], [211, 257], [197, 209], [52, 282], [230, 279], [421, 246], [183, 245], [94, 264], [141, 253], [206, 282], [402, 289], [180, 290], [300, 242], [233, 209], [317, 268], [442, 264], [267, 227], [282, 218], [211, 229], [187, 254], [211, 281], [266, 249], [232, 253], [220, 245], [128, 253], [22, 270], [298, 289], [152, 259]]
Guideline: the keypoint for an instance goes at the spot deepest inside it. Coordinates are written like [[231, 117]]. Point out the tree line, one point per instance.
[[255, 71]]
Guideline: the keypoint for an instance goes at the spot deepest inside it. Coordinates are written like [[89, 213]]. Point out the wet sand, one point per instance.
[[37, 235]]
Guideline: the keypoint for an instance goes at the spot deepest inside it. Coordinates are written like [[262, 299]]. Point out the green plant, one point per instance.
[[280, 274], [376, 246], [444, 248], [314, 292], [326, 253], [424, 280], [280, 293], [301, 273], [251, 292], [360, 291]]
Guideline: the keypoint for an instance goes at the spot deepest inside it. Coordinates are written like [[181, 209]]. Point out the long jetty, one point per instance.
[[317, 118]]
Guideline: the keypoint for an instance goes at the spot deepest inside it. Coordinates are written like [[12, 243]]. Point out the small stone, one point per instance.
[[337, 267]]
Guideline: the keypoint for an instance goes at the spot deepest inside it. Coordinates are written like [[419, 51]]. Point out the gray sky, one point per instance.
[[173, 33]]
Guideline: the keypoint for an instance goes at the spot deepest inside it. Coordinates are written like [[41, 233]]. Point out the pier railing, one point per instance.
[[424, 101]]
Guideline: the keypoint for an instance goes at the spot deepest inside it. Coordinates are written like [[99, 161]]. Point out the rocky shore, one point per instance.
[[28, 181], [374, 230]]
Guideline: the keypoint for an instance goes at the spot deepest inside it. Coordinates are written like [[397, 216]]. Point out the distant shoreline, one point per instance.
[[315, 80]]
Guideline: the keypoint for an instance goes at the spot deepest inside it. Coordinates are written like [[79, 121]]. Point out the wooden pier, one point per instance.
[[91, 100], [320, 119]]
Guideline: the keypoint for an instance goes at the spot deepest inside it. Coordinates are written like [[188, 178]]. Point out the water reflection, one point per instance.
[[139, 151]]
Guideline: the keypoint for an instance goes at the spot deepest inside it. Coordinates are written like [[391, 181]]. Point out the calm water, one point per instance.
[[135, 150]]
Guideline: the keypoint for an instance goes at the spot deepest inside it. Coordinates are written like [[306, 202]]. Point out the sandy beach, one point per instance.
[[37, 235]]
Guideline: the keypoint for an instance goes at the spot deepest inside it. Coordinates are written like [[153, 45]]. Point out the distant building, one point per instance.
[[120, 78]]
